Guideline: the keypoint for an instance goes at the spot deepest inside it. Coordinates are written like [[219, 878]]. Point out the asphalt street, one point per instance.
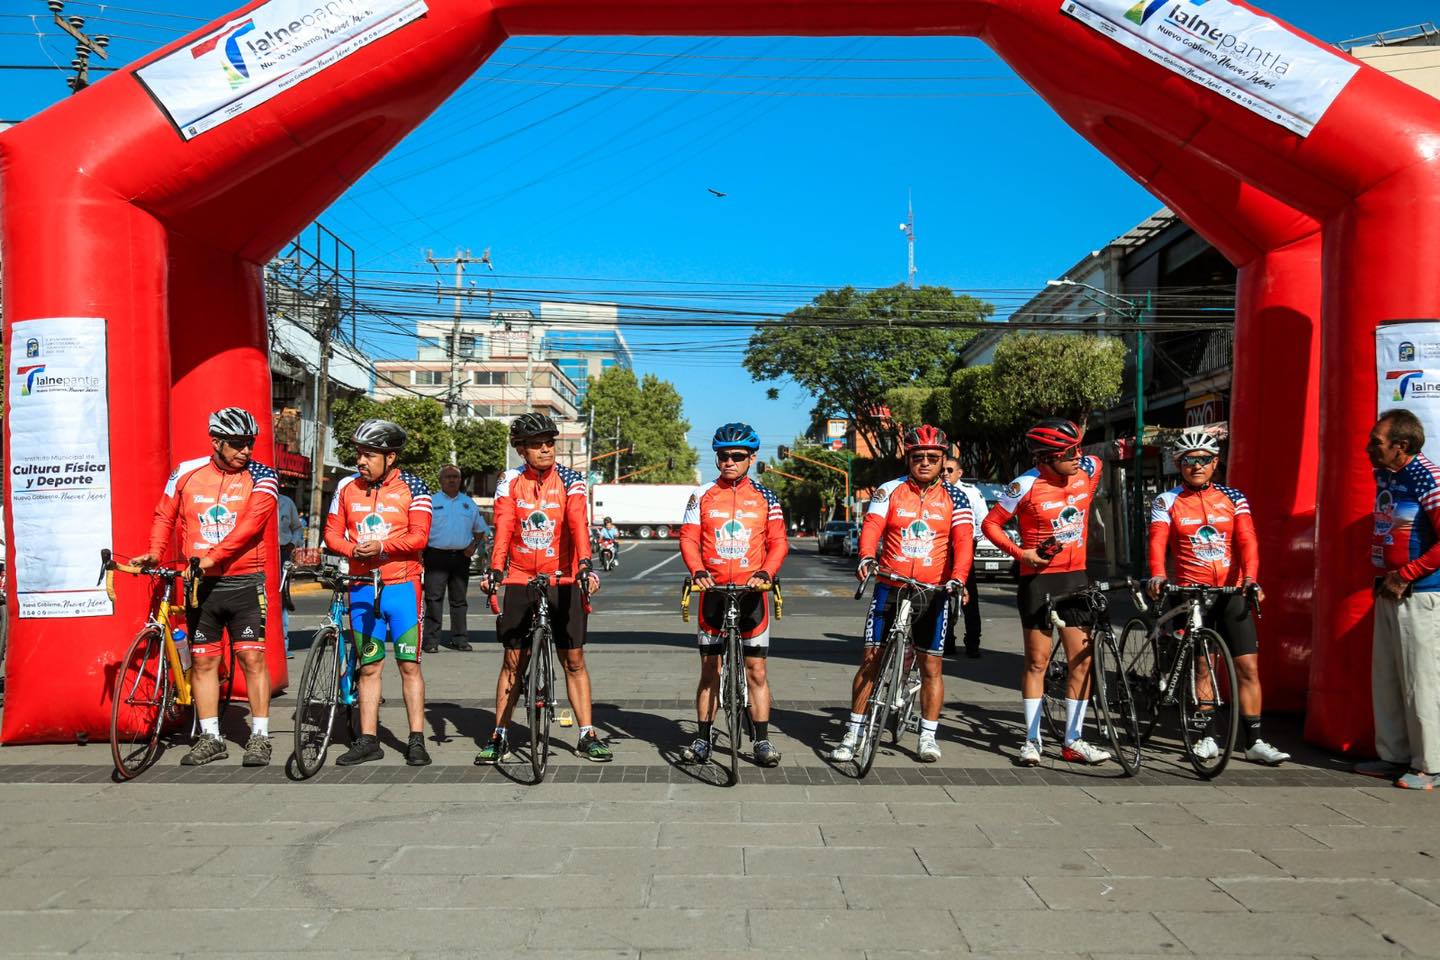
[[648, 856]]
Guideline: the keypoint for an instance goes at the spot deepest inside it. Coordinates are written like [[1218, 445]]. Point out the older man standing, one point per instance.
[[1405, 659], [457, 529]]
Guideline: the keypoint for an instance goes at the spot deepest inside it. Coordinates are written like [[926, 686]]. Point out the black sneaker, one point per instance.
[[207, 749], [415, 753], [257, 751], [429, 646], [363, 750], [593, 748], [462, 646]]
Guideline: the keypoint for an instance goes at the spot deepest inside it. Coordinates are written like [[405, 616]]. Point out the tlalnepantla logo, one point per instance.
[[236, 70]]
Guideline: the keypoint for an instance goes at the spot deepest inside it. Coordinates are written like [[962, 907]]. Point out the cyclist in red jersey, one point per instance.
[[1051, 505], [1207, 530], [920, 527], [541, 527], [380, 520], [223, 505], [733, 533]]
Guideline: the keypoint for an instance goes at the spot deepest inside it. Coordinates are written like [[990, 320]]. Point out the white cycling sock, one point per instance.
[[210, 726], [1032, 718], [929, 726], [586, 730], [855, 720], [259, 726], [1074, 720]]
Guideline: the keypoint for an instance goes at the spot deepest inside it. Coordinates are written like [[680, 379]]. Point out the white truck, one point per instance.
[[643, 510]]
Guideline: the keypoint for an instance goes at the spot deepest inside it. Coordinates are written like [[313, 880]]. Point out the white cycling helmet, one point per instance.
[[1194, 439], [233, 423]]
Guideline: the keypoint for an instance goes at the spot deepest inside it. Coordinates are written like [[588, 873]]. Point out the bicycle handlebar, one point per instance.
[[727, 589], [191, 576], [1250, 591], [1091, 590], [896, 578]]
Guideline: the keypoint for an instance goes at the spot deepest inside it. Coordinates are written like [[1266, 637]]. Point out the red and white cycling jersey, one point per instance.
[[541, 524], [220, 515], [733, 530], [396, 511], [1212, 528], [926, 535], [1043, 509]]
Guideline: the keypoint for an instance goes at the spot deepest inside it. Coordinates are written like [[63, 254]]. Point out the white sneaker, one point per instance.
[[1030, 754], [845, 750], [929, 749], [1207, 749], [1262, 752], [1078, 751]]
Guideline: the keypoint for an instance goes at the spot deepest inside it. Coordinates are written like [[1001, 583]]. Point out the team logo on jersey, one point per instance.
[[371, 649], [1068, 526], [732, 540], [216, 522], [915, 540], [1012, 489], [1384, 512], [370, 527], [537, 530], [1209, 545]]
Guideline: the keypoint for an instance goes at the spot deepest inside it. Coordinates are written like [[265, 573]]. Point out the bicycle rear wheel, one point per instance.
[[732, 675], [1141, 666], [316, 701], [541, 694], [1117, 706], [142, 697], [877, 710], [1208, 704], [1052, 704]]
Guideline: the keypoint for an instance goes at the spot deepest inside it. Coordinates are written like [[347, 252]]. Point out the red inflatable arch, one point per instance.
[[129, 204]]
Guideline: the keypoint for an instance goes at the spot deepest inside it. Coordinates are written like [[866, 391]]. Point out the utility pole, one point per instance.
[[908, 228], [84, 45], [453, 393], [589, 443], [617, 447], [329, 322]]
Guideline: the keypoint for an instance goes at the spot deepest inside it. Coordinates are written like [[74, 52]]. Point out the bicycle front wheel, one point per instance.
[[1141, 666], [882, 696], [732, 675], [316, 701], [1208, 707], [143, 694], [1117, 706], [540, 693]]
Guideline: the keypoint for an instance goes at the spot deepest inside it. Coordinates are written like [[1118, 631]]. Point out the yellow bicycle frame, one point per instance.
[[160, 617]]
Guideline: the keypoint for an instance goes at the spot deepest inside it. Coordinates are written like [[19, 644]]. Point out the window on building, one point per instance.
[[467, 345], [427, 378], [489, 378]]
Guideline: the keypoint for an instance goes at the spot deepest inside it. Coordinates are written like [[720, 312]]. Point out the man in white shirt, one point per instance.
[[971, 607], [292, 531], [457, 527]]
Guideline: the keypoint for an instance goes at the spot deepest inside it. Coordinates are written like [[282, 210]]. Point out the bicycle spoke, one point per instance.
[[316, 701], [141, 694], [1210, 716]]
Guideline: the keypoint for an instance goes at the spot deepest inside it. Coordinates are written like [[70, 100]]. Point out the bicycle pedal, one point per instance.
[[565, 717]]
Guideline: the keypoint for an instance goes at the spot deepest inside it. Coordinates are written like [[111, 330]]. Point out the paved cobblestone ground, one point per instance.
[[646, 857]]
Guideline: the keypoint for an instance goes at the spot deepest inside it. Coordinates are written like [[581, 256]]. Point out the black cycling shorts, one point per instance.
[[233, 603], [567, 617], [754, 623], [1232, 619], [1030, 598]]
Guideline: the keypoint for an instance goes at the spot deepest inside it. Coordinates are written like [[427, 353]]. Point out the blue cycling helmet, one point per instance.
[[736, 435]]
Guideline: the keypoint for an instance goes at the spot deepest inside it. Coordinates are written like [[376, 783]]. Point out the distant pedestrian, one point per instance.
[[1405, 658], [457, 529], [971, 606], [292, 531]]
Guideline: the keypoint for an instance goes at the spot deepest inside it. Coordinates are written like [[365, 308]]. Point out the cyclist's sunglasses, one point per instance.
[[925, 457], [1198, 460], [239, 443], [539, 443], [733, 456], [1072, 454]]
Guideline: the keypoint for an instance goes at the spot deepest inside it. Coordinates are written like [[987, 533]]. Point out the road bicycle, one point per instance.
[[734, 689], [895, 690], [153, 679], [1110, 691], [330, 678], [1180, 662]]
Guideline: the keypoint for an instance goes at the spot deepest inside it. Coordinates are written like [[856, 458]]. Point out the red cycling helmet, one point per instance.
[[926, 437], [1050, 437]]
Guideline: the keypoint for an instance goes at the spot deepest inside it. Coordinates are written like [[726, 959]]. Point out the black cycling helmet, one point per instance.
[[1049, 437], [233, 423], [528, 426], [736, 436], [379, 435]]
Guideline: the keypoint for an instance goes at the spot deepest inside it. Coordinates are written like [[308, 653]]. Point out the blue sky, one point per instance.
[[583, 165]]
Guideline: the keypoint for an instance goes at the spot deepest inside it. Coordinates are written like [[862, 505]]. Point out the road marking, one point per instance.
[[670, 559]]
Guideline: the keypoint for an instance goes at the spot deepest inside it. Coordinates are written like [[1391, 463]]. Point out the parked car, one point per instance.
[[851, 545], [990, 562], [832, 536]]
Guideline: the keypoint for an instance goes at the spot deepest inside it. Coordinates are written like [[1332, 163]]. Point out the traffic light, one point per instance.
[[783, 451], [760, 466]]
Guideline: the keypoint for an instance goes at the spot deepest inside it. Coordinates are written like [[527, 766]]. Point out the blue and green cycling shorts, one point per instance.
[[397, 619]]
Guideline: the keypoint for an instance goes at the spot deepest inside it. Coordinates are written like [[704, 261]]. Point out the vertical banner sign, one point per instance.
[[264, 52], [59, 463], [1407, 374], [1237, 53]]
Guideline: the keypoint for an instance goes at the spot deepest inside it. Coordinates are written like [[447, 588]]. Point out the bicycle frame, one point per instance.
[[899, 634]]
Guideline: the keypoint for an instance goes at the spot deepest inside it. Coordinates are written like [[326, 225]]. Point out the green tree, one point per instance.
[[651, 421], [850, 348], [480, 446], [428, 445], [817, 493]]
